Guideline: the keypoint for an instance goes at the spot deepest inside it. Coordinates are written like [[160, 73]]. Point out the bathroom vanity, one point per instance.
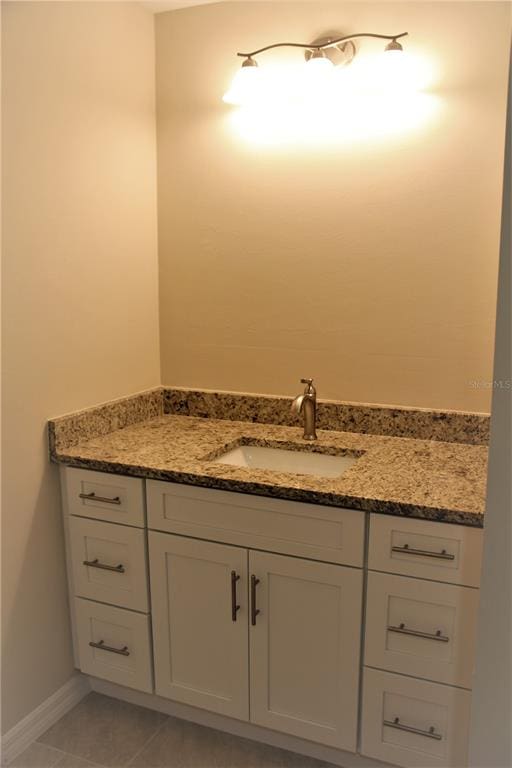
[[350, 628]]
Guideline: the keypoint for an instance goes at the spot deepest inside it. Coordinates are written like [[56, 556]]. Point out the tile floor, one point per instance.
[[105, 732]]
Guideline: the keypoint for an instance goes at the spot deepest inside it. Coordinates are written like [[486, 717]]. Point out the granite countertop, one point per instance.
[[393, 475]]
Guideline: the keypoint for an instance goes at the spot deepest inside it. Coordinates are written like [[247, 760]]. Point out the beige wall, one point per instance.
[[370, 265], [80, 285]]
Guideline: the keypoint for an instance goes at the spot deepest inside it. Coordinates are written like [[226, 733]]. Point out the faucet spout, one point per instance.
[[298, 403], [306, 404]]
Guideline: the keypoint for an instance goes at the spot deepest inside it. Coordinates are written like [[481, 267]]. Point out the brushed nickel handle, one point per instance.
[[101, 645], [234, 607], [96, 564], [430, 734], [254, 610], [406, 549], [403, 630], [103, 499]]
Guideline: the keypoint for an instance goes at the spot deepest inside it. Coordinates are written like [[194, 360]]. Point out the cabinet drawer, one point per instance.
[[421, 628], [109, 563], [290, 527], [114, 644], [414, 723], [114, 498], [426, 549]]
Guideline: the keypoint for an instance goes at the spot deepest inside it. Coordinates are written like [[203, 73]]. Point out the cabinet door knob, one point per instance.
[[234, 607], [254, 610]]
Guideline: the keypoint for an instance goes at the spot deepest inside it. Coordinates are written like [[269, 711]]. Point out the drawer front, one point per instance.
[[114, 644], [114, 498], [426, 549], [421, 628], [414, 723], [289, 527], [109, 563]]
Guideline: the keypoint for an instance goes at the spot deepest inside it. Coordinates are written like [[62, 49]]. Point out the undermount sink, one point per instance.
[[284, 460]]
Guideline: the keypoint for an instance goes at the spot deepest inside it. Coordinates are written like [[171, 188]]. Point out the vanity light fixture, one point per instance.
[[320, 56]]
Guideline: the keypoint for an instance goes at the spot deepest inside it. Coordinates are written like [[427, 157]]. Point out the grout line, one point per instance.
[[147, 743], [65, 754], [70, 754]]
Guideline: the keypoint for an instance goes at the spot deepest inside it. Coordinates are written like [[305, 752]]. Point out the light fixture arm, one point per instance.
[[323, 46]]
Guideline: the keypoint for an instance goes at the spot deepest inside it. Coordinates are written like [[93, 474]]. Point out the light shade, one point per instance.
[[394, 45], [246, 86]]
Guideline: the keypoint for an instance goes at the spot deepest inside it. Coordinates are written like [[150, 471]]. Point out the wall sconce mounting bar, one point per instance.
[[323, 46]]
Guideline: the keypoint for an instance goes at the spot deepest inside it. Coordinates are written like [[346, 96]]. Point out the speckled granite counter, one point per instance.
[[400, 476]]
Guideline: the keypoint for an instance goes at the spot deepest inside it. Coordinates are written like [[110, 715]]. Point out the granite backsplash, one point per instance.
[[421, 424]]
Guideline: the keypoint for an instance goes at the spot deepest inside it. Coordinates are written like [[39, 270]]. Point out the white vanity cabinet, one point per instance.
[[104, 527], [421, 622], [251, 608], [259, 636]]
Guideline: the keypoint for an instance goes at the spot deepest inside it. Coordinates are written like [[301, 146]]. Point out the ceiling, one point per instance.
[[159, 6]]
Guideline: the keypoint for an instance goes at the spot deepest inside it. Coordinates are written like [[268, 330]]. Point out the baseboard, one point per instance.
[[236, 727], [20, 736]]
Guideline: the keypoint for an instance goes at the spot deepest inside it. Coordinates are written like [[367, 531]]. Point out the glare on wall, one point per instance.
[[375, 98]]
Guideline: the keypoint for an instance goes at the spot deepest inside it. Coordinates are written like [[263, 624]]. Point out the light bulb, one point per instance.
[[319, 63], [317, 79], [398, 72], [246, 85]]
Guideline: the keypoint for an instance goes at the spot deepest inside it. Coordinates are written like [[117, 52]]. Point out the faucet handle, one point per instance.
[[309, 389]]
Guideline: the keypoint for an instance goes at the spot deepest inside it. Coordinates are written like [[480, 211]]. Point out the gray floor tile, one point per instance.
[[180, 744], [37, 756], [103, 730]]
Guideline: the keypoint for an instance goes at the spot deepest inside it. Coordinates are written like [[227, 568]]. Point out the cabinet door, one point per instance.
[[305, 643], [200, 640]]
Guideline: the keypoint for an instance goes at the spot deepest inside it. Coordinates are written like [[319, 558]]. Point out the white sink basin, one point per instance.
[[283, 460]]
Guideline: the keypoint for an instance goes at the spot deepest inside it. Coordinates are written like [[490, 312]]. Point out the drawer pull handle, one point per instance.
[[234, 607], [403, 630], [101, 645], [407, 550], [254, 610], [96, 564], [103, 499], [430, 734]]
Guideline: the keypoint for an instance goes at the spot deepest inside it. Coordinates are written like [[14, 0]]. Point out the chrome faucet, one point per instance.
[[306, 404]]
